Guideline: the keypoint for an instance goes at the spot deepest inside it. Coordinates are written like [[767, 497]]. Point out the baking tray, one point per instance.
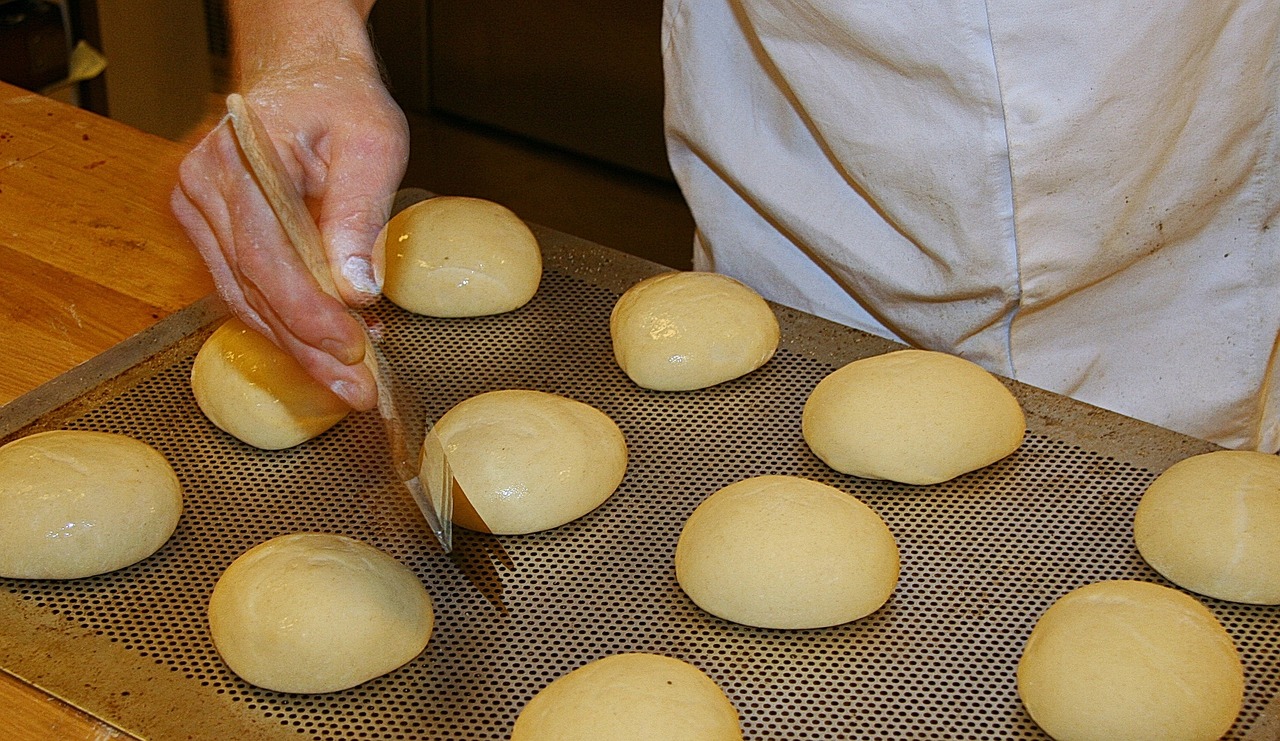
[[982, 556]]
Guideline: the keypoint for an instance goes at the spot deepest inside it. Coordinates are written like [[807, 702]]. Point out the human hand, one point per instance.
[[344, 143]]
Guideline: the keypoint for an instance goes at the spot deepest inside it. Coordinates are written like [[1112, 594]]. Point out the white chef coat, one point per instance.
[[1081, 195]]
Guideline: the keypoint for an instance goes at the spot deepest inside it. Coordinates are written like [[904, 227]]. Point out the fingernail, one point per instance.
[[359, 273], [346, 354], [346, 391]]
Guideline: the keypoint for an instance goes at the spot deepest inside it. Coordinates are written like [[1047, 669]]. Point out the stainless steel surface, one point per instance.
[[983, 555]]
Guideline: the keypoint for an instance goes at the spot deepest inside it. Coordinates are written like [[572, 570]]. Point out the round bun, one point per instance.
[[76, 504], [912, 416], [312, 612], [258, 393], [1129, 661], [526, 460], [450, 256], [630, 697], [691, 330], [786, 552], [1211, 524]]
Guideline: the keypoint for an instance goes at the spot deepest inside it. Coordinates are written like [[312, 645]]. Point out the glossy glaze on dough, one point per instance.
[[528, 460], [691, 330], [451, 256], [259, 394], [75, 504]]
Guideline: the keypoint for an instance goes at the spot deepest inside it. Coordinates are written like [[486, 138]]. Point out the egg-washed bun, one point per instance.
[[313, 612], [786, 552], [527, 460], [630, 697], [76, 504], [1211, 524], [451, 256], [258, 393], [1130, 661], [691, 330], [912, 416]]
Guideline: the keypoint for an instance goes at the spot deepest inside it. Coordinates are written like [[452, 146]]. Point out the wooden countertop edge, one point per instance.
[[90, 256]]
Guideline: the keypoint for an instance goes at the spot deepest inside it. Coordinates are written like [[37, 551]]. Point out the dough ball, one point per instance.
[[630, 697], [75, 504], [691, 330], [258, 393], [527, 460], [786, 552], [1130, 661], [451, 256], [912, 416], [312, 612], [1211, 524]]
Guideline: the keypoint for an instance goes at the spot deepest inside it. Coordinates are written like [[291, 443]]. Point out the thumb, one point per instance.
[[356, 204]]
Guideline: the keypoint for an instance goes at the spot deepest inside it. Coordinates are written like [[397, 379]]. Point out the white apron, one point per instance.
[[1081, 195]]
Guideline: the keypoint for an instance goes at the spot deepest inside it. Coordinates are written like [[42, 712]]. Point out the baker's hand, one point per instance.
[[344, 143]]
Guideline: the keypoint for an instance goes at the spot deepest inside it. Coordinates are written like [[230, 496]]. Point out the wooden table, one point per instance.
[[89, 255]]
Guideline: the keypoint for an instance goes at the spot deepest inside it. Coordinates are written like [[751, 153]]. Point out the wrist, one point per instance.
[[275, 38]]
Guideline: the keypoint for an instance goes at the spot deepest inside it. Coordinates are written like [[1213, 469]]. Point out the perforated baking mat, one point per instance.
[[982, 556]]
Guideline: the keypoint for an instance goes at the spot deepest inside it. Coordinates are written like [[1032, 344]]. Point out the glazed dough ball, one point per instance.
[[450, 256], [691, 330], [1130, 661], [912, 416], [630, 697], [1211, 524], [527, 460], [786, 552], [75, 504], [258, 393], [312, 612]]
